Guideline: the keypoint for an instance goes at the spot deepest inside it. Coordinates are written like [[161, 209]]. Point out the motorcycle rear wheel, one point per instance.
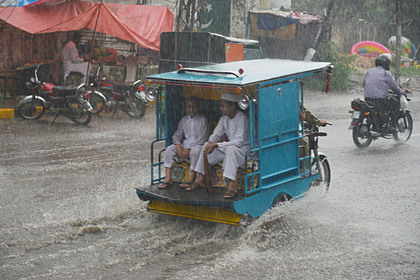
[[31, 109], [136, 108], [404, 127], [361, 135], [79, 113], [321, 185]]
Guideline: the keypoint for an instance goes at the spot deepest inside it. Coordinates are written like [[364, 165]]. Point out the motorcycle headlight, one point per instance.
[[243, 101], [151, 93]]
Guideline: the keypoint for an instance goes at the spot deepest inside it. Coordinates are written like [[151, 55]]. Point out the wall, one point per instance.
[[239, 15], [18, 48]]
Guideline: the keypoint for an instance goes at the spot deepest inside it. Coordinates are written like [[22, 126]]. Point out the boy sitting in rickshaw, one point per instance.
[[187, 141], [232, 152]]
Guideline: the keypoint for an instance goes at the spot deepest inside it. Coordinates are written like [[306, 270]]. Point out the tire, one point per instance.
[[97, 103], [321, 185], [79, 113], [361, 135], [404, 127], [136, 108], [31, 109], [280, 198]]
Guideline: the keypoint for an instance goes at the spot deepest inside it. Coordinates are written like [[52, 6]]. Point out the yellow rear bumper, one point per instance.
[[194, 212]]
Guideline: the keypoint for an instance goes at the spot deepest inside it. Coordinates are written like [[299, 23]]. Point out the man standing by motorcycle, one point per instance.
[[72, 62], [376, 84]]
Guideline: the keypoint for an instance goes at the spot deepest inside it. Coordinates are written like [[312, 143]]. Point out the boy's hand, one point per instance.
[[209, 148], [179, 150], [324, 123], [185, 153]]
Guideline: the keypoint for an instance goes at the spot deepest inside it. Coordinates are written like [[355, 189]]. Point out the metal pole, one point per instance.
[[93, 40], [398, 42]]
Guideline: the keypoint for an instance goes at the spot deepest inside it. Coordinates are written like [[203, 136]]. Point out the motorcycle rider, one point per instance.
[[376, 83]]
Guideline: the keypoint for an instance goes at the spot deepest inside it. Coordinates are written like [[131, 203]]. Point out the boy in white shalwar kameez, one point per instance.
[[187, 141], [232, 152]]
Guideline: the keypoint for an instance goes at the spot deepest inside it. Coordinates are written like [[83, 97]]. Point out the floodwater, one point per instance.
[[68, 209]]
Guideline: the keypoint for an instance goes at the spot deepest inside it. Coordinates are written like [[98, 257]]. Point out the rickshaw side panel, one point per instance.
[[258, 204], [278, 130]]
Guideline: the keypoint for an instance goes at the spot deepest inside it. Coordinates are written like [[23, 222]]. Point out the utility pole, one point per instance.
[[398, 42]]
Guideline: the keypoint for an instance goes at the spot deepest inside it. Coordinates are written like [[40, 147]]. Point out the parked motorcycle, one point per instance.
[[66, 101], [127, 97], [369, 124]]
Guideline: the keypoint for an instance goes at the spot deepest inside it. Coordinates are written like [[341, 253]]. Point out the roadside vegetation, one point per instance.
[[328, 52], [346, 65], [379, 13]]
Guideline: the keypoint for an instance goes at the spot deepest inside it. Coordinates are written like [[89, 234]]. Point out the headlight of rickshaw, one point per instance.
[[243, 101], [151, 93]]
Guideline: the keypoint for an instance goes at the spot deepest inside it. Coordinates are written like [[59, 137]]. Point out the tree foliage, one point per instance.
[[328, 52], [378, 12], [372, 11]]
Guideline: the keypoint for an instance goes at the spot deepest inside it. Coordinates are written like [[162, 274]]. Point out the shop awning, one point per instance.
[[140, 24]]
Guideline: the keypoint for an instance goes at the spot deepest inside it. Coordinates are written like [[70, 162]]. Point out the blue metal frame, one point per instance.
[[159, 137]]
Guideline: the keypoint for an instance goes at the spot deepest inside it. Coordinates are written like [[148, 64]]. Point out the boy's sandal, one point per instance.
[[230, 193], [193, 187], [185, 185], [163, 185]]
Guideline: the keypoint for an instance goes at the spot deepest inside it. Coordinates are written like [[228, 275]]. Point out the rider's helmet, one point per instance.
[[383, 60]]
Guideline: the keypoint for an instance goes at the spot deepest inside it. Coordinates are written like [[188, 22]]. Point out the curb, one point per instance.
[[7, 113]]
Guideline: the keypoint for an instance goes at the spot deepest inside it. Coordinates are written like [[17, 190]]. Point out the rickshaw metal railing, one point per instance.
[[251, 184], [306, 157], [159, 138]]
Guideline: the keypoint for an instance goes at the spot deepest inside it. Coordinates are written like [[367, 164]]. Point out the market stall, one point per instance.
[[37, 31]]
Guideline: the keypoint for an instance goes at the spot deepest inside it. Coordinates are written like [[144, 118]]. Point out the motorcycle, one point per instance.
[[127, 97], [66, 101], [369, 123], [319, 161]]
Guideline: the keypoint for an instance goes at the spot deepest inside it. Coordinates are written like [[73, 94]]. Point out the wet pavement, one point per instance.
[[69, 209]]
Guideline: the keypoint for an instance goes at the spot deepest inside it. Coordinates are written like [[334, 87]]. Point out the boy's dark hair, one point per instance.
[[193, 99], [232, 103]]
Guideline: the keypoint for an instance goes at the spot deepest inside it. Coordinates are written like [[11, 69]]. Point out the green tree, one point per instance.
[[373, 11]]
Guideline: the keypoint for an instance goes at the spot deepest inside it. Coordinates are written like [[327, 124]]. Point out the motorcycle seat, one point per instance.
[[368, 104], [64, 90]]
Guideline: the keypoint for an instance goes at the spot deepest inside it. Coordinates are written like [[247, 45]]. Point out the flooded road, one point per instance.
[[68, 209]]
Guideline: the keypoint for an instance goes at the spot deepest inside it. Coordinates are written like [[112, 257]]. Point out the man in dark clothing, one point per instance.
[[376, 84]]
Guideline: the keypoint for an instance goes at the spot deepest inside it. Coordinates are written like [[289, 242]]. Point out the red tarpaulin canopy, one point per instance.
[[140, 24]]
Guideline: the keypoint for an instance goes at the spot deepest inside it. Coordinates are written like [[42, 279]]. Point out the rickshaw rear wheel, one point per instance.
[[280, 198]]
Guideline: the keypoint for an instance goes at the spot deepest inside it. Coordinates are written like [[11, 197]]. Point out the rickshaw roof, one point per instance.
[[254, 72]]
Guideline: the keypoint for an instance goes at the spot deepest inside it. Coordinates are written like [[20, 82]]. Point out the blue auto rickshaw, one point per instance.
[[278, 167]]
